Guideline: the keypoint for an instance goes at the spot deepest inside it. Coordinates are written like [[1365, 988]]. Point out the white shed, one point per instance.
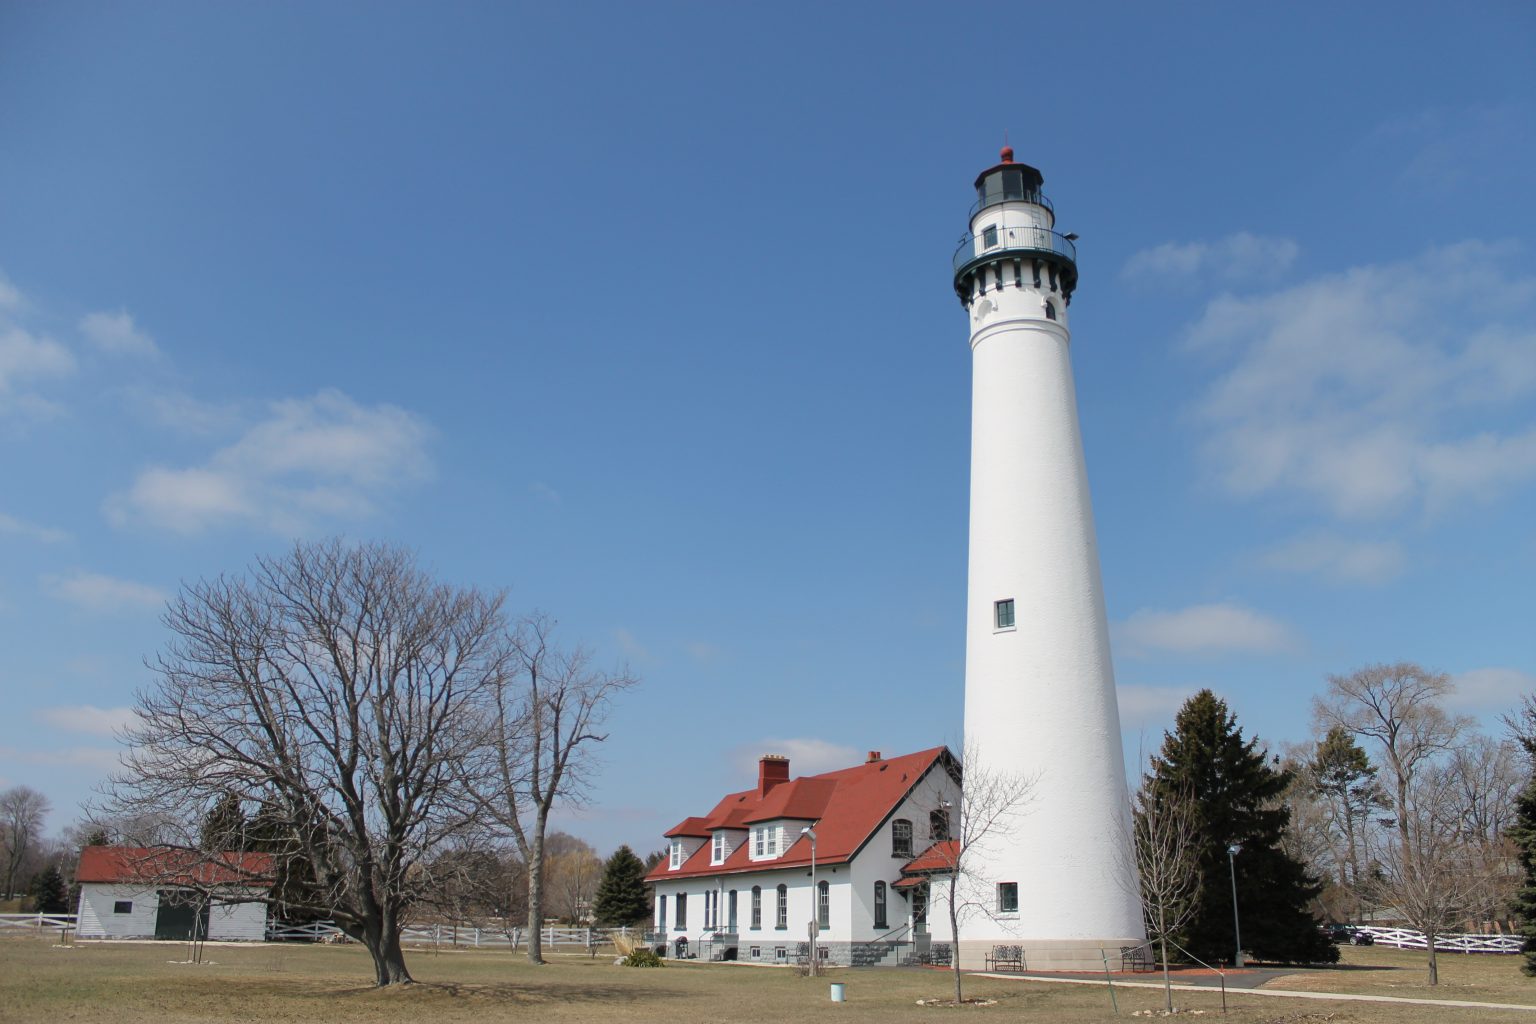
[[129, 892]]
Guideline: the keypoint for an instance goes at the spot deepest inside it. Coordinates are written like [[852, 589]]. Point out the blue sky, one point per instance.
[[644, 314]]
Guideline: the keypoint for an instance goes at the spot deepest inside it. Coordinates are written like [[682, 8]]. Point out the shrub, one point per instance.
[[640, 956]]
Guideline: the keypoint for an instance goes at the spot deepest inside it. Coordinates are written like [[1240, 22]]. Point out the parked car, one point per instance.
[[1343, 933]]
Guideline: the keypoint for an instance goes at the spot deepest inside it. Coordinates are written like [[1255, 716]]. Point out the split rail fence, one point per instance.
[[1407, 938]]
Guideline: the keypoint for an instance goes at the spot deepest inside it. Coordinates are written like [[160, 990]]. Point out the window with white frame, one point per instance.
[[781, 918], [757, 907], [901, 838], [757, 842], [675, 855], [717, 848], [823, 905]]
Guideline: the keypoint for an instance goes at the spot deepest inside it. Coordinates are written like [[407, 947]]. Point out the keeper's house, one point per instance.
[[130, 892], [737, 884]]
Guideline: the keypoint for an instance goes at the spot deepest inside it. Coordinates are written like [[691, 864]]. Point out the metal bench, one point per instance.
[[1006, 958], [1137, 958]]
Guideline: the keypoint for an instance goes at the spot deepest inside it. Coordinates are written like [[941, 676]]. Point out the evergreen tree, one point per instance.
[[1236, 804], [1344, 778], [1523, 834], [49, 892], [621, 897], [224, 826]]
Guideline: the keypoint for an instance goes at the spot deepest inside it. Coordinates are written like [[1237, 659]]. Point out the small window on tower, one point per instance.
[[1007, 897], [1050, 310], [989, 238], [1002, 614]]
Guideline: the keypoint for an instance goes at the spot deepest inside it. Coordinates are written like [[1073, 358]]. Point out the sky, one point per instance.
[[643, 314]]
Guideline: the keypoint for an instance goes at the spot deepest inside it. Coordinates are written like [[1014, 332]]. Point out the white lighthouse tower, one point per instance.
[[1039, 684]]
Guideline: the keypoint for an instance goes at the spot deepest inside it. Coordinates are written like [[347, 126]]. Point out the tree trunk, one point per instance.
[[1162, 927], [954, 936], [536, 896], [1434, 967], [381, 937]]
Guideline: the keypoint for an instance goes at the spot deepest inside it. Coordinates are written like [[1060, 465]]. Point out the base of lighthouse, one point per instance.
[[1066, 955]]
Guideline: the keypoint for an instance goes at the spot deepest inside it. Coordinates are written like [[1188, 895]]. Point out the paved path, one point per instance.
[[1278, 992]]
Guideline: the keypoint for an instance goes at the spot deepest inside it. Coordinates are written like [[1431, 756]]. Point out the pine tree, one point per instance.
[[1236, 804], [621, 897], [1523, 834], [1344, 778], [48, 891], [224, 826]]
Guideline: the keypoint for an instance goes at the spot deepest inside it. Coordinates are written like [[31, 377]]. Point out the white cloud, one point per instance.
[[631, 645], [181, 412], [1491, 689], [1239, 257], [1140, 704], [31, 531], [25, 357], [322, 457], [115, 334], [10, 296], [98, 593], [87, 718], [807, 756], [1205, 629], [96, 758], [1339, 560], [1378, 389]]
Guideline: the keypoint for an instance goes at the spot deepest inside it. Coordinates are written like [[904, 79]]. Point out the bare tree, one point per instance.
[[543, 722], [1342, 781], [337, 688], [1400, 707], [1434, 880], [22, 810], [989, 805], [1167, 864]]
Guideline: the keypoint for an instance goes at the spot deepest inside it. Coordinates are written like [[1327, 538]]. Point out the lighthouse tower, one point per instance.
[[1039, 684]]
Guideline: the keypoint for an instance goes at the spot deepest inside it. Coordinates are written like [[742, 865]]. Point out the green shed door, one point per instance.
[[180, 914]]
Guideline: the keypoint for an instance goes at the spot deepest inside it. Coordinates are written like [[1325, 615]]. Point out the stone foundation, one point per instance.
[[1074, 955]]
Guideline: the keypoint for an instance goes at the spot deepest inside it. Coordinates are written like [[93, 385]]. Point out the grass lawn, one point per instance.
[[1384, 971], [134, 983]]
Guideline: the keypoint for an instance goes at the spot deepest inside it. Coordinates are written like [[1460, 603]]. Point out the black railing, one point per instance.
[[1013, 196], [996, 240]]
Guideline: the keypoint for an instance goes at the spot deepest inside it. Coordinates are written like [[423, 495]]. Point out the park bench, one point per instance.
[[1136, 958], [1006, 958]]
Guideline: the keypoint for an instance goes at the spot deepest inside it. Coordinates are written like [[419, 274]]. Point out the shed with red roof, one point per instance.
[[136, 892]]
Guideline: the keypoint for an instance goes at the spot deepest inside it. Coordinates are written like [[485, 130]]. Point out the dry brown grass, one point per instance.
[[1383, 971], [134, 983]]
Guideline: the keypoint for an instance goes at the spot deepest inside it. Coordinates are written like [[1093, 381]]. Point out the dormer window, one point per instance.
[[675, 855], [717, 848]]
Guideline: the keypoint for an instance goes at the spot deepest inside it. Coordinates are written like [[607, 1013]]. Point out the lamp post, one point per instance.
[[815, 902], [1237, 933]]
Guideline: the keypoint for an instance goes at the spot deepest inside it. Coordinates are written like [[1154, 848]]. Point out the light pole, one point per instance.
[[815, 902], [1237, 933]]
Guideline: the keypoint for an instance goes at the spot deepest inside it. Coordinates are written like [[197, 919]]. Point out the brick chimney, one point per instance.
[[772, 769], [874, 755]]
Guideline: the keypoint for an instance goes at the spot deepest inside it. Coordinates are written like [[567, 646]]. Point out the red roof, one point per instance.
[[941, 856], [845, 806], [167, 866]]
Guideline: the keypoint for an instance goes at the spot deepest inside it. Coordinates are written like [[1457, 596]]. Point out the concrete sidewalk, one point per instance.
[[1279, 993]]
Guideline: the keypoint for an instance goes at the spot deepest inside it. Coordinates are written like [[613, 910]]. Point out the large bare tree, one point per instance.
[[544, 720], [1401, 708], [338, 688], [22, 810]]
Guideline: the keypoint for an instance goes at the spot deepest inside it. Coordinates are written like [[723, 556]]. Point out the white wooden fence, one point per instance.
[[1407, 938], [37, 922], [451, 935]]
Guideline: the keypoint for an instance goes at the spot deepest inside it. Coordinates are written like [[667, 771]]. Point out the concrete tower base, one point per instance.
[[1068, 955]]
